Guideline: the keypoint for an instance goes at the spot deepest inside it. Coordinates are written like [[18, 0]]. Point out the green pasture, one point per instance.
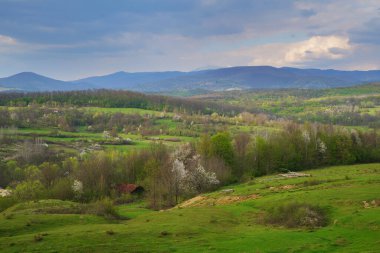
[[229, 227]]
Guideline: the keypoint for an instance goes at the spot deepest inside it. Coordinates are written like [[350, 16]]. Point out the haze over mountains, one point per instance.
[[246, 77]]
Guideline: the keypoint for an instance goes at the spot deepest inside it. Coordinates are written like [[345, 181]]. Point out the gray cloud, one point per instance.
[[76, 38], [369, 32]]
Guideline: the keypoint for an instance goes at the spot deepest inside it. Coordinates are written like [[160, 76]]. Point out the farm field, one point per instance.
[[349, 106], [209, 172], [151, 126], [214, 222]]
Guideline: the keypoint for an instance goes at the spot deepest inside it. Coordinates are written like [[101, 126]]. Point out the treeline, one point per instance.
[[72, 119], [115, 99], [302, 147], [364, 89], [345, 118], [172, 175], [69, 119]]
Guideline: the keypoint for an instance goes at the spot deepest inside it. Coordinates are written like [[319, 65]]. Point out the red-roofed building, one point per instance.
[[130, 188]]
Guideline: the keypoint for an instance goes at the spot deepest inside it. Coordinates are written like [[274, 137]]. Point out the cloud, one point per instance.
[[368, 33], [317, 48], [6, 40], [8, 45], [71, 39]]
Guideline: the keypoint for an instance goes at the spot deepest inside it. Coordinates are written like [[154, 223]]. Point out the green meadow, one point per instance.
[[208, 224]]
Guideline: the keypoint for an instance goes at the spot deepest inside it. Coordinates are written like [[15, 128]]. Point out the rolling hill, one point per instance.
[[29, 81], [246, 77], [213, 222]]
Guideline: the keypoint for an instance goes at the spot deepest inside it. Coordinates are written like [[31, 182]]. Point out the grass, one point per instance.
[[126, 111], [68, 140], [232, 227]]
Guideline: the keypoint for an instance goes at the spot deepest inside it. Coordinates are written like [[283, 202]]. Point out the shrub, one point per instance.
[[29, 190], [62, 189], [103, 207], [38, 238], [110, 232], [125, 199], [294, 214], [164, 233]]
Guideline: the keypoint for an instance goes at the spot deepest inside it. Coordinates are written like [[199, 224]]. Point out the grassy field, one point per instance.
[[70, 140], [324, 105], [126, 111], [214, 222]]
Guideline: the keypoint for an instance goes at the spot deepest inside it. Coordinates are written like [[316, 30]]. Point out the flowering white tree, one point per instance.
[[179, 173], [321, 146], [306, 136], [197, 179], [189, 175], [77, 188]]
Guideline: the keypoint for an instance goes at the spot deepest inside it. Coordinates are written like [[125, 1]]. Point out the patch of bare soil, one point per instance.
[[371, 204], [217, 200], [193, 202], [294, 174], [283, 187]]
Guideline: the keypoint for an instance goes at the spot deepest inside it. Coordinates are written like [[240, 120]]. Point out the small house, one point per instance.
[[130, 188]]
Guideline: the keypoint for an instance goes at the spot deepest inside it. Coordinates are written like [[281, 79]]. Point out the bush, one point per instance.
[[110, 232], [38, 238], [295, 214], [62, 189], [29, 190], [125, 199], [103, 207]]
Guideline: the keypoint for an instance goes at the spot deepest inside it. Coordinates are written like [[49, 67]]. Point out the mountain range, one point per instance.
[[245, 77]]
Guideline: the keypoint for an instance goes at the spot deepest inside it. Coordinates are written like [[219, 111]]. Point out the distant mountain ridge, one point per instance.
[[29, 81], [129, 81], [244, 77]]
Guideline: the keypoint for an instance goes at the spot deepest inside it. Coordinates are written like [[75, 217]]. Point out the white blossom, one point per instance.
[[322, 148], [5, 193], [77, 187], [356, 136], [178, 170], [306, 136], [189, 174]]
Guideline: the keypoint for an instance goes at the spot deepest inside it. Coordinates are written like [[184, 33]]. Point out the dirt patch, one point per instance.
[[217, 200], [283, 187], [232, 199], [371, 204], [192, 202], [294, 174]]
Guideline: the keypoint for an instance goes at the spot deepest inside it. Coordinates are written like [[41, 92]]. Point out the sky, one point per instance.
[[72, 39]]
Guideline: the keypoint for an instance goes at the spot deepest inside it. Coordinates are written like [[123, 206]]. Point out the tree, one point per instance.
[[159, 178], [29, 190], [241, 142], [49, 173], [204, 145], [221, 147], [189, 175]]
